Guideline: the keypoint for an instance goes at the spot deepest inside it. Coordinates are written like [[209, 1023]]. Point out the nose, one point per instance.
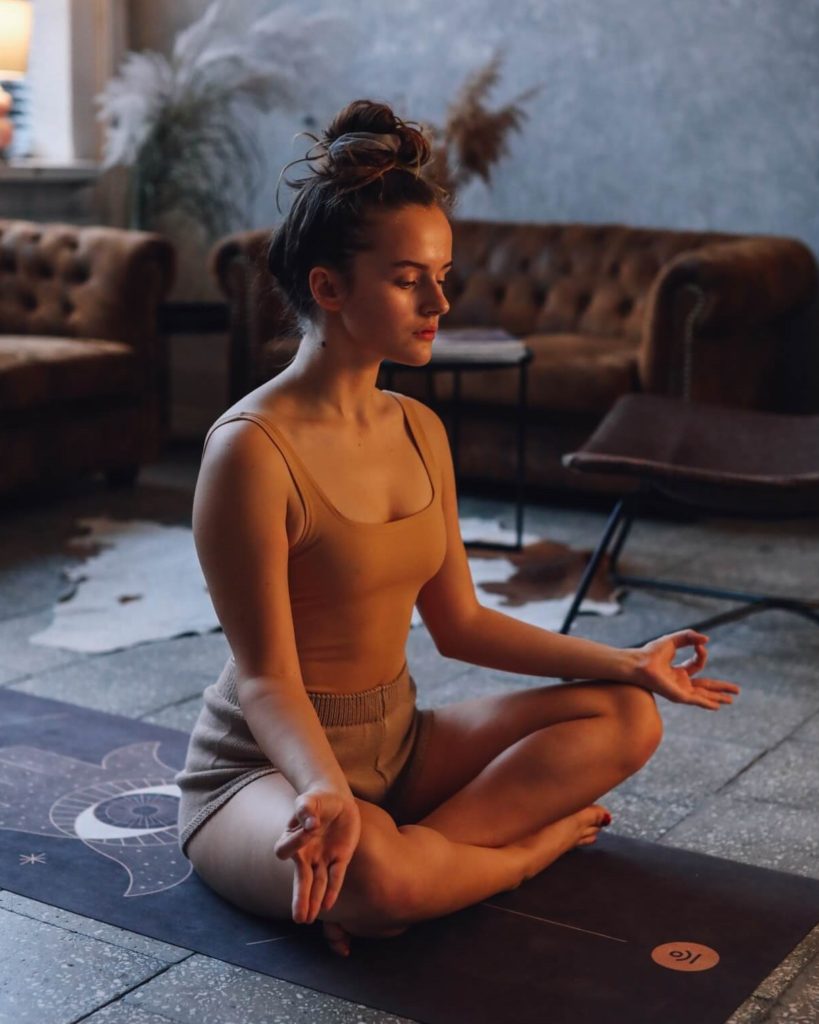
[[435, 302]]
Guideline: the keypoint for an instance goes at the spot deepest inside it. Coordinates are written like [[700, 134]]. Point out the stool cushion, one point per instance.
[[709, 455]]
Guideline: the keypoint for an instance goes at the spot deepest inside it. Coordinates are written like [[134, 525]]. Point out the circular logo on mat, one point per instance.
[[685, 956]]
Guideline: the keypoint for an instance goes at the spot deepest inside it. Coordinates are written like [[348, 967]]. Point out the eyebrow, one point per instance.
[[420, 266]]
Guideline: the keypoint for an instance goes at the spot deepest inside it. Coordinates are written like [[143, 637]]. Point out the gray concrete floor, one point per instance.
[[741, 783]]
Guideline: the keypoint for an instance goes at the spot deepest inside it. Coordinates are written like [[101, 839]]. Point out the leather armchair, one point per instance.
[[81, 363], [607, 310]]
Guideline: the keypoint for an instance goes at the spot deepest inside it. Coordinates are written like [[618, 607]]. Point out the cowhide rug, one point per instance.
[[142, 582]]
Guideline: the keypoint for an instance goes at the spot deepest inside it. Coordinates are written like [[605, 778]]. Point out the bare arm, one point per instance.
[[464, 629], [240, 531]]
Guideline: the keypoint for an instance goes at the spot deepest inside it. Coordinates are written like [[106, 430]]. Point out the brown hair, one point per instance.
[[367, 159]]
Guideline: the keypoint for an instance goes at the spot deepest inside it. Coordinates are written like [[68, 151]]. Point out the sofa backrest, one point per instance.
[[82, 282], [556, 278]]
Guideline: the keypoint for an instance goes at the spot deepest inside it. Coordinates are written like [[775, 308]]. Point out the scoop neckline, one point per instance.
[[340, 515]]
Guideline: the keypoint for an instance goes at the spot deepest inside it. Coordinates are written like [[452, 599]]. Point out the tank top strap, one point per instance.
[[298, 473], [427, 453]]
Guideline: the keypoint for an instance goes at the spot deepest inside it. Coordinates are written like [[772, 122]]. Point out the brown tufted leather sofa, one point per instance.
[[607, 310], [80, 361]]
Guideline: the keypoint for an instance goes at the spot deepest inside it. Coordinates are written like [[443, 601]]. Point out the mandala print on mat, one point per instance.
[[124, 809]]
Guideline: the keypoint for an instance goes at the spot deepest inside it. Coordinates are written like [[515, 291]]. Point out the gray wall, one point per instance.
[[675, 113]]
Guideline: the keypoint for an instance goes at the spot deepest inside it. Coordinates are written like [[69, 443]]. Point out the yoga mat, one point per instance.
[[622, 930]]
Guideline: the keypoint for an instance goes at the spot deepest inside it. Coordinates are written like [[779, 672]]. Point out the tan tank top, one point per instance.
[[353, 585]]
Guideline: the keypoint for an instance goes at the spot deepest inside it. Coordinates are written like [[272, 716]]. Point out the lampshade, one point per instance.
[[15, 32]]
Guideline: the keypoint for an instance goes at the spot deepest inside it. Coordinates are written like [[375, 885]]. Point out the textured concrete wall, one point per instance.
[[684, 113]]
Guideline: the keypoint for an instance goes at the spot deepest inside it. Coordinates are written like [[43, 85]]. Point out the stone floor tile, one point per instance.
[[22, 658], [799, 1003], [121, 1012], [788, 774], [38, 911], [103, 685], [133, 682], [642, 818], [53, 976], [685, 767], [180, 716], [797, 960], [200, 989], [753, 1011], [808, 732], [766, 834], [747, 720], [33, 585]]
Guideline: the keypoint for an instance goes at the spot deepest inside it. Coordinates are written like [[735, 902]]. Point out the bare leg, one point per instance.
[[396, 876], [545, 776]]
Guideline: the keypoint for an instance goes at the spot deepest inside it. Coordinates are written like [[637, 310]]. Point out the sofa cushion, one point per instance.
[[37, 370]]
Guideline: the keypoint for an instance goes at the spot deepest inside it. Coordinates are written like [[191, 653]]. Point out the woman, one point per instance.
[[324, 510]]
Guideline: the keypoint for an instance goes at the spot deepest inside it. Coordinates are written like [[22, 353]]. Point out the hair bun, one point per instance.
[[362, 143]]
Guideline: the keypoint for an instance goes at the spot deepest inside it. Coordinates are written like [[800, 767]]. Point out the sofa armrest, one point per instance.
[[257, 309], [719, 312]]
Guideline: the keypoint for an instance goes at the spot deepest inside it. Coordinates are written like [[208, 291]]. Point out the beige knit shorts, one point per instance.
[[378, 736]]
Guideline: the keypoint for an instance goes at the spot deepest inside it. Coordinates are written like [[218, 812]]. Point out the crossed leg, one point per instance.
[[504, 789], [496, 768]]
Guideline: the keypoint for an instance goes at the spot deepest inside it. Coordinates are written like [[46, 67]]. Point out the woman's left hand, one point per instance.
[[676, 683]]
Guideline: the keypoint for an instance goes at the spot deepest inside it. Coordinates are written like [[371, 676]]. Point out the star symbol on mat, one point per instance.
[[32, 858]]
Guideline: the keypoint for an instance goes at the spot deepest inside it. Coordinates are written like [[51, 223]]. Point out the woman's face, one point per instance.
[[396, 295]]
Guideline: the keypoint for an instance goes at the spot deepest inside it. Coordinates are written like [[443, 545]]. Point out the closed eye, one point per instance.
[[411, 284]]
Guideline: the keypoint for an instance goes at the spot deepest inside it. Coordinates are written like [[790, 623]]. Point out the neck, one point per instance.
[[336, 381]]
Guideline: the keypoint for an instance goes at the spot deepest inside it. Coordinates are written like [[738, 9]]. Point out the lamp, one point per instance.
[[15, 33]]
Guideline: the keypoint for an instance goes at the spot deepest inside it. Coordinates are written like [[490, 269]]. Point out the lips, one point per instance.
[[428, 333]]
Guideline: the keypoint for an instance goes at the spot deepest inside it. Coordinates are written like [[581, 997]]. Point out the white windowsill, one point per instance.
[[36, 170]]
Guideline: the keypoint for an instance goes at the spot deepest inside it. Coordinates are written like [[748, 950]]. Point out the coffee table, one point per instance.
[[468, 351]]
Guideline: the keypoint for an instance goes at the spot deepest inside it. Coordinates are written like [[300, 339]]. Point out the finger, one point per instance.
[[716, 684], [287, 845], [697, 661], [302, 884], [688, 638], [335, 880], [318, 890]]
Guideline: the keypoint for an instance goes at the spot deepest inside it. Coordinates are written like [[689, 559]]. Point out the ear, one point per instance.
[[327, 288]]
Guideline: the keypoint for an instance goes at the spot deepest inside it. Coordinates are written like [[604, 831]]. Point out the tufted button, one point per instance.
[[28, 301], [45, 270], [8, 261], [539, 295], [583, 301], [77, 272], [500, 293], [625, 306], [67, 307]]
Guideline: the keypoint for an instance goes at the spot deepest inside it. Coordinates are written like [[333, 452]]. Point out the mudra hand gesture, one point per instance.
[[321, 838], [677, 683]]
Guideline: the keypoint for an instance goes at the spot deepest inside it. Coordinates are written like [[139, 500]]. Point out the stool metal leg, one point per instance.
[[602, 546], [521, 467]]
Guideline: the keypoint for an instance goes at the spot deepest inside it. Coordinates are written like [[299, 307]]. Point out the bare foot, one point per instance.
[[543, 847], [338, 938]]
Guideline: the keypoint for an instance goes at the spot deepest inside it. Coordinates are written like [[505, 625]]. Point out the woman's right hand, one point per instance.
[[321, 838]]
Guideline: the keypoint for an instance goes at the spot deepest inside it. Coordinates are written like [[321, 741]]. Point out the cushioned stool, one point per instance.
[[756, 465]]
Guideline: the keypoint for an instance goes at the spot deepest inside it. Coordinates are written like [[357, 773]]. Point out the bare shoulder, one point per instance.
[[244, 479]]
